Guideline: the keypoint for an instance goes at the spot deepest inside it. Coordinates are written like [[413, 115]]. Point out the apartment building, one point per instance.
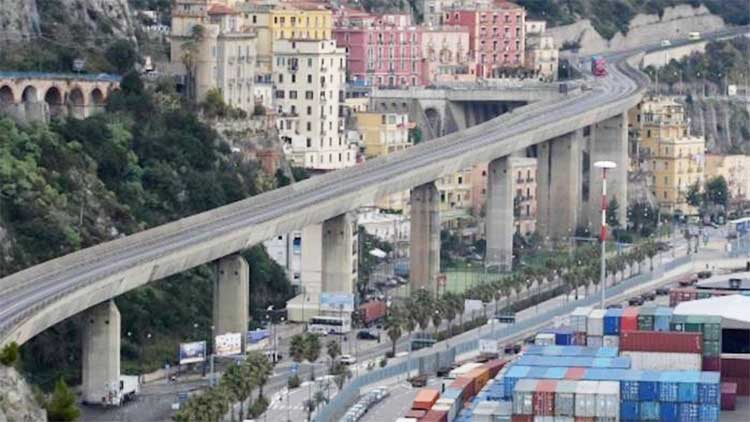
[[496, 36], [382, 50], [432, 10], [445, 50], [309, 78], [384, 133], [542, 56], [221, 58]]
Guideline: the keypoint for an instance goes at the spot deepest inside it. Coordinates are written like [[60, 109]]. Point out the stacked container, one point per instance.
[[646, 315], [595, 328], [629, 319], [578, 323], [662, 318], [662, 351], [736, 370], [565, 399]]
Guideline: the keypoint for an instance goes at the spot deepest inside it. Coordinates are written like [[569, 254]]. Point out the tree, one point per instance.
[[297, 348], [122, 55], [717, 191], [333, 349], [190, 51], [392, 326], [62, 406], [312, 351], [259, 369], [694, 196], [9, 354], [237, 382], [613, 208], [213, 104]]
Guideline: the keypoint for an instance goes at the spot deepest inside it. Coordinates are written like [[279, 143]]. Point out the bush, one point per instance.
[[293, 382], [258, 407], [9, 354], [62, 406], [383, 362]]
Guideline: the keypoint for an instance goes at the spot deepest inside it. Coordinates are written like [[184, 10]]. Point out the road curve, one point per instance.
[[41, 296]]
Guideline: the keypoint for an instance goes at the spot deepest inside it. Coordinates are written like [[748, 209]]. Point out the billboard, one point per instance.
[[192, 352], [337, 302], [228, 344]]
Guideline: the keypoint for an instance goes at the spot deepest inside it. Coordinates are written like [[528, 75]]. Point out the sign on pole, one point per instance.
[[228, 344], [192, 352]]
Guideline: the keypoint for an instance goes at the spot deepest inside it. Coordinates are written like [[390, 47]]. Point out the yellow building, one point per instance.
[[735, 169], [678, 164], [383, 133], [658, 119]]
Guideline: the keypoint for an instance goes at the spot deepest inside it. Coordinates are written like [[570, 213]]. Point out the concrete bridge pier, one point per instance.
[[424, 250], [232, 296], [499, 217], [559, 185], [100, 328], [609, 143], [339, 268]]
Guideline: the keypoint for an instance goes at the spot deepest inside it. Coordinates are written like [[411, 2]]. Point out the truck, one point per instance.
[[598, 66], [371, 311], [130, 387]]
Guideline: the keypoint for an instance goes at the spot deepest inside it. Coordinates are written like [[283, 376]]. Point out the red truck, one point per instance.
[[598, 66], [372, 311]]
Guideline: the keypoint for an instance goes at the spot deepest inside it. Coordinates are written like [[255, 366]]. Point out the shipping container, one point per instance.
[[523, 396], [579, 318], [728, 395], [629, 385], [629, 410], [586, 398], [580, 338], [544, 398], [608, 400], [480, 376], [689, 412], [463, 369], [708, 413], [565, 398], [648, 386], [521, 418], [669, 386], [662, 318], [450, 405], [510, 379], [743, 384], [653, 341], [688, 387], [594, 341], [735, 366], [415, 413], [491, 347], [578, 350], [649, 410], [646, 318], [669, 412], [435, 416], [494, 366], [709, 389], [595, 323], [611, 341], [711, 363], [372, 311], [629, 319], [466, 386], [544, 339], [660, 361], [678, 323], [575, 373], [426, 397], [612, 321], [711, 348]]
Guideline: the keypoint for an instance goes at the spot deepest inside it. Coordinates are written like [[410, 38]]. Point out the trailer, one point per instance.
[[598, 66]]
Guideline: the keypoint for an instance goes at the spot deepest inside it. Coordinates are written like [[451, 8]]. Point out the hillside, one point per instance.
[[147, 160]]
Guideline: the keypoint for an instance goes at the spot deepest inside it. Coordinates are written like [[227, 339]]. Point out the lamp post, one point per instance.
[[604, 165]]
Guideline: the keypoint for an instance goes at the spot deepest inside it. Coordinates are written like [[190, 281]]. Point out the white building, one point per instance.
[[542, 55], [309, 76], [393, 228], [286, 250]]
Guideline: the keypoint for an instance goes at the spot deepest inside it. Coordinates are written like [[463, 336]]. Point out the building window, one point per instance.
[[309, 142], [281, 79], [292, 95], [309, 95]]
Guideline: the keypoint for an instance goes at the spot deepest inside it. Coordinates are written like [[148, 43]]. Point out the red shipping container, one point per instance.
[[661, 341], [520, 418], [544, 398], [426, 397], [733, 367], [743, 385], [416, 414], [435, 416], [711, 364], [629, 319], [575, 373], [466, 385], [495, 366], [371, 311], [728, 395]]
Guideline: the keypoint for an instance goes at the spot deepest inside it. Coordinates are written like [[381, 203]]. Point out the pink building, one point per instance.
[[496, 36], [446, 54], [382, 50]]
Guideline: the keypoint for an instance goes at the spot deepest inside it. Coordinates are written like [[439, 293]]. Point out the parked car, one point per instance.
[[704, 274], [418, 381], [367, 335], [614, 306], [648, 296], [662, 291], [347, 359], [635, 301]]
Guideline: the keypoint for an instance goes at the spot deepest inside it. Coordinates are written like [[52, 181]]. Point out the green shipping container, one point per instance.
[[711, 348], [677, 323], [694, 323], [646, 318]]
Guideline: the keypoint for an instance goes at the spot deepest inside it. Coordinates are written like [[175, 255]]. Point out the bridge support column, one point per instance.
[[101, 353], [559, 186], [339, 266], [232, 296], [424, 250], [499, 218], [609, 143]]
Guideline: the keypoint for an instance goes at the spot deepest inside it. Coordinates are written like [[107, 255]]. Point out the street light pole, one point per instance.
[[604, 165]]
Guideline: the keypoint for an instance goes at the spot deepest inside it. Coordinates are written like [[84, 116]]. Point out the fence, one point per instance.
[[428, 361]]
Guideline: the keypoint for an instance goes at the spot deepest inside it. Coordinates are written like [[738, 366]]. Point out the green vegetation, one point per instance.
[[712, 199], [146, 161], [305, 347], [9, 354], [724, 62], [62, 406], [237, 384]]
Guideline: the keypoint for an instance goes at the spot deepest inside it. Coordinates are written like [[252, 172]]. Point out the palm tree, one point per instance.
[[312, 351], [260, 369], [651, 250], [238, 384], [392, 326], [297, 348], [333, 349], [437, 316]]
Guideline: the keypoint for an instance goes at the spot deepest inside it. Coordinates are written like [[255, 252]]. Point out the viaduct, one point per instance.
[[35, 96], [558, 129]]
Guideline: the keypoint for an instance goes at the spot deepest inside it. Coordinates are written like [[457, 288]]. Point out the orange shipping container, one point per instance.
[[495, 366], [480, 376], [426, 397]]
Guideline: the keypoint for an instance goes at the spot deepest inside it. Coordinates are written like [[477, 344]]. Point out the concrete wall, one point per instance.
[[663, 57]]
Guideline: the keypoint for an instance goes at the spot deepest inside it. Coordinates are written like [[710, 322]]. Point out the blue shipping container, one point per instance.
[[662, 318], [689, 412], [452, 393], [708, 413], [612, 321], [668, 391], [669, 412], [708, 388], [629, 410], [650, 411], [688, 388], [629, 385], [648, 386]]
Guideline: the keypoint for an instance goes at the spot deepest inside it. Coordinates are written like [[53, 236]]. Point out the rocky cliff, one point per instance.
[[17, 402], [22, 19], [676, 22]]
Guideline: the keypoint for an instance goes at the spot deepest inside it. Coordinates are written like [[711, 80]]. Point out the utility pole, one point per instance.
[[604, 165]]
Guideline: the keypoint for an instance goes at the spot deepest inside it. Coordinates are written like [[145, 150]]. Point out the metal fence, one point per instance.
[[428, 361]]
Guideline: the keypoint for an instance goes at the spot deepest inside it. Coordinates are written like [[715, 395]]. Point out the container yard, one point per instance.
[[689, 363]]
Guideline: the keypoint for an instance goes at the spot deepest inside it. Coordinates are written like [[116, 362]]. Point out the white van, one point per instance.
[[694, 36]]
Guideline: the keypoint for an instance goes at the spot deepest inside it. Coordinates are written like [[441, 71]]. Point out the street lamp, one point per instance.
[[604, 165]]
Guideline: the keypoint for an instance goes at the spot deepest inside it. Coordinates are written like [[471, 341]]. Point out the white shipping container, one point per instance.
[[611, 341], [564, 419], [452, 407], [523, 396], [661, 361], [406, 420], [565, 403], [594, 341], [595, 323], [544, 339], [489, 346], [544, 419], [608, 400], [586, 398], [578, 318], [463, 369], [488, 411]]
